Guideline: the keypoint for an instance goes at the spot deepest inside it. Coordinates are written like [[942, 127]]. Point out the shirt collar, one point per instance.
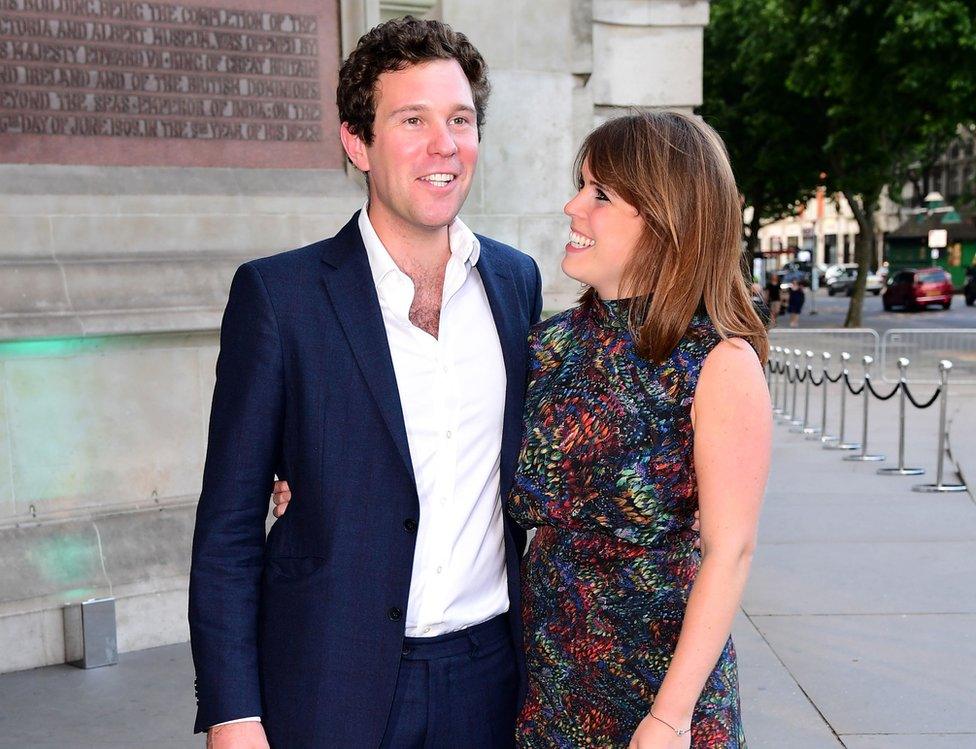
[[465, 247]]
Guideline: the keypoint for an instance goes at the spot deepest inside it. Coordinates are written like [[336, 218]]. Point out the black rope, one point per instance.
[[929, 402], [851, 388], [802, 377], [817, 383], [875, 392], [789, 375], [833, 379]]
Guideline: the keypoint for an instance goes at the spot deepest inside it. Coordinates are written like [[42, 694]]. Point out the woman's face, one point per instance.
[[603, 234]]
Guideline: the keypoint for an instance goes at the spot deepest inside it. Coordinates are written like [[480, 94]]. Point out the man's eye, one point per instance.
[[412, 121], [460, 120]]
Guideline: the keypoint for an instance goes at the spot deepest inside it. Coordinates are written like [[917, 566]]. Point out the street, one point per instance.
[[831, 312]]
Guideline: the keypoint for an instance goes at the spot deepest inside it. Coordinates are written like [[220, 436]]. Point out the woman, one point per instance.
[[644, 403], [795, 303], [773, 298]]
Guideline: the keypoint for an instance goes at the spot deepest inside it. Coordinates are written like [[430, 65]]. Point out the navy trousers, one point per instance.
[[456, 691]]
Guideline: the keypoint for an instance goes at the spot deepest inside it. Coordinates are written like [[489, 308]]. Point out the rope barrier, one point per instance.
[[850, 387], [882, 397], [929, 402]]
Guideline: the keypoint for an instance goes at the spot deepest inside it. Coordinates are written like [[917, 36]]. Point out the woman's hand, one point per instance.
[[281, 496], [653, 734]]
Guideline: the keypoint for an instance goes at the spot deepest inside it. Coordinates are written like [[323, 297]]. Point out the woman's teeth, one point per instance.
[[439, 180], [579, 241]]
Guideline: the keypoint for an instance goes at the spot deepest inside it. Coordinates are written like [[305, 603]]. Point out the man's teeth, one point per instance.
[[439, 180], [578, 240]]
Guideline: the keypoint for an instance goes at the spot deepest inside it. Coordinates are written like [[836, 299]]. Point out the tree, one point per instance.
[[773, 134], [892, 76]]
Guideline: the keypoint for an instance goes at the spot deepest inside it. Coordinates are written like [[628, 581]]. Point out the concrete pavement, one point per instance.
[[858, 627]]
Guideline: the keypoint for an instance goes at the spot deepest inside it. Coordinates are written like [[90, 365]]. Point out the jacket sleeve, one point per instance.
[[537, 298], [228, 539]]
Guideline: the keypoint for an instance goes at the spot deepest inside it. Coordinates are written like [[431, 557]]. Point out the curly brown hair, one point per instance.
[[394, 45]]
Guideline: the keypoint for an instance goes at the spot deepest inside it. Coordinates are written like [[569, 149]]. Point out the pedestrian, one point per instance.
[[773, 298], [794, 304]]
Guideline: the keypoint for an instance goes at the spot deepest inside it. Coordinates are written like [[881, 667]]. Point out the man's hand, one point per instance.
[[249, 735], [281, 496]]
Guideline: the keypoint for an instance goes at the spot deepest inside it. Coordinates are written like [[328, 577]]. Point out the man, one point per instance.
[[381, 372]]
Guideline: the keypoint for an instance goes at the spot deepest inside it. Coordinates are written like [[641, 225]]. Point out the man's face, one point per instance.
[[425, 146]]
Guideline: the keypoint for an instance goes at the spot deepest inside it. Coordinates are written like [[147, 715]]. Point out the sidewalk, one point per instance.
[[858, 627]]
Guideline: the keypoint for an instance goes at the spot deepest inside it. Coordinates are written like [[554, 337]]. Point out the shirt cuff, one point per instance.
[[252, 719]]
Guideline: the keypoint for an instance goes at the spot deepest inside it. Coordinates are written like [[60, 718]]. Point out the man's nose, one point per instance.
[[442, 142]]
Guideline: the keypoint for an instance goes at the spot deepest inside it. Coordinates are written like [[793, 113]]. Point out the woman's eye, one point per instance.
[[600, 195]]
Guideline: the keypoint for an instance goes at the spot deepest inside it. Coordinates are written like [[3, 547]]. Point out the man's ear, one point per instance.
[[355, 148]]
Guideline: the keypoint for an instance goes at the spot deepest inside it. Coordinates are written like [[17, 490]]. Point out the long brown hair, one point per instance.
[[674, 169]]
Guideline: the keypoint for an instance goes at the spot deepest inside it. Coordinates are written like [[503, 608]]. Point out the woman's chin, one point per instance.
[[570, 266]]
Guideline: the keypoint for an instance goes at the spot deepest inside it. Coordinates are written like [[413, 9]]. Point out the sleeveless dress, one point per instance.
[[606, 476]]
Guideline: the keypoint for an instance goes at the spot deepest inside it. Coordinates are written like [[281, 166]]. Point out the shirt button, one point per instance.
[[410, 525], [426, 630], [395, 614], [440, 570], [449, 435], [445, 369]]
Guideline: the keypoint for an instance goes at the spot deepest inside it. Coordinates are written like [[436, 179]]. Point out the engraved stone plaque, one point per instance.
[[211, 83]]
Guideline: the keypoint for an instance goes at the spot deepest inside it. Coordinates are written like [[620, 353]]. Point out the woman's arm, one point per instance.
[[733, 432]]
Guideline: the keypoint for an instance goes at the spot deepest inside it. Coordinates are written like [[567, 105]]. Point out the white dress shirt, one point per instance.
[[452, 392]]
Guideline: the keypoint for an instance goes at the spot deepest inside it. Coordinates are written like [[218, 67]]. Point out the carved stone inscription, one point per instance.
[[205, 83]]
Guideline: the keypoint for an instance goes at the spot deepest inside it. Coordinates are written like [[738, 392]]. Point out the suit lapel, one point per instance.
[[349, 284], [496, 275]]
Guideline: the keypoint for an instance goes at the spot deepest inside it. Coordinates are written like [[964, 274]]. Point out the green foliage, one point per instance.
[[856, 88], [772, 133]]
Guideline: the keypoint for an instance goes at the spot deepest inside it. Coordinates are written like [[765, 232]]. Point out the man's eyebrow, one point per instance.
[[425, 108]]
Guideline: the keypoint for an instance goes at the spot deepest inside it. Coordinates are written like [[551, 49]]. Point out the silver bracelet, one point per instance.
[[677, 731]]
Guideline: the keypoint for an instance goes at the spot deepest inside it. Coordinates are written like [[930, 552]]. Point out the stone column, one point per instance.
[[647, 53]]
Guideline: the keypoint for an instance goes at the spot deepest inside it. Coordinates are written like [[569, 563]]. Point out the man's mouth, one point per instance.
[[439, 179], [580, 241]]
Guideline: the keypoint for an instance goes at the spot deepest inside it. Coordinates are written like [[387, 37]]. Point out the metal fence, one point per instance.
[[858, 342], [925, 348]]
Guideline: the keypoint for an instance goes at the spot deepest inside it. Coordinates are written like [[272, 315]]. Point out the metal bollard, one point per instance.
[[901, 470], [775, 379], [794, 421], [864, 455], [811, 431], [784, 414], [823, 436], [784, 357], [801, 428], [840, 444], [938, 486]]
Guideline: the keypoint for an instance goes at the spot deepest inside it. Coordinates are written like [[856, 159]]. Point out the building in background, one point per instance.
[[146, 150]]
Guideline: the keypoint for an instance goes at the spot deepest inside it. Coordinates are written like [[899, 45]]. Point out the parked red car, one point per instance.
[[916, 289]]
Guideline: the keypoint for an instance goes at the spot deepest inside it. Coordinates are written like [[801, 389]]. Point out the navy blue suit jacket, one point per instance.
[[305, 627]]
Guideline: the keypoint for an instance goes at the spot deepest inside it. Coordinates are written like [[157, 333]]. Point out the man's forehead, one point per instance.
[[424, 84]]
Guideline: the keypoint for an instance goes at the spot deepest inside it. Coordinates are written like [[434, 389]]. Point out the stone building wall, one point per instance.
[[116, 257]]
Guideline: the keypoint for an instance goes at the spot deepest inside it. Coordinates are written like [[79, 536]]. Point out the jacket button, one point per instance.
[[395, 614], [410, 525]]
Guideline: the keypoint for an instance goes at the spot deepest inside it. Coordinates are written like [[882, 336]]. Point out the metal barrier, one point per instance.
[[858, 342], [788, 367], [926, 347]]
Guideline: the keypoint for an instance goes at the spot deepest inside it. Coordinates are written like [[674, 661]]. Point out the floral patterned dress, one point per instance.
[[606, 475]]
